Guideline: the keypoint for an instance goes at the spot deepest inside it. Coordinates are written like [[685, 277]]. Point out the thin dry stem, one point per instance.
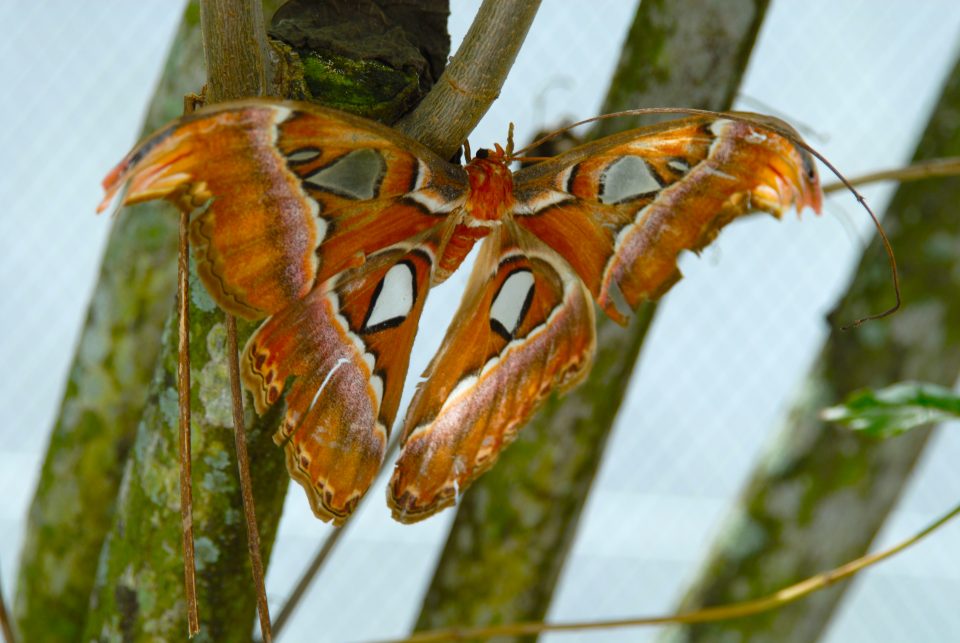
[[183, 386], [5, 625], [246, 486], [324, 553], [723, 612], [949, 166]]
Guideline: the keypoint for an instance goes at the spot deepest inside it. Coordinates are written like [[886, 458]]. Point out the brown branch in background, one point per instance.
[[246, 486], [183, 402], [323, 554], [710, 614], [949, 166], [473, 79], [5, 625]]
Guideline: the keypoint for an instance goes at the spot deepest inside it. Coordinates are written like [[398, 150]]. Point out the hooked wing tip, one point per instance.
[[112, 183], [147, 164]]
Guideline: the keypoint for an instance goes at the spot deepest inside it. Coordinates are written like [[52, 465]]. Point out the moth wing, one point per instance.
[[297, 194], [347, 343], [525, 327], [621, 209]]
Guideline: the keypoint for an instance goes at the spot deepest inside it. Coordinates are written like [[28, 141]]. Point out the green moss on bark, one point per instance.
[[139, 593], [383, 93]]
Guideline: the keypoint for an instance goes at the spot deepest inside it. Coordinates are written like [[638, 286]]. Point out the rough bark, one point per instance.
[[235, 49], [821, 493], [72, 509], [515, 526], [139, 591]]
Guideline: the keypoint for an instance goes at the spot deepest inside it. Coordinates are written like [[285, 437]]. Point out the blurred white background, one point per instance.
[[740, 330]]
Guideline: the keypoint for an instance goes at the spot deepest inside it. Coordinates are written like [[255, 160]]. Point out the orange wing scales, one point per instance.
[[292, 192], [348, 344], [334, 228], [642, 197], [525, 327], [252, 264]]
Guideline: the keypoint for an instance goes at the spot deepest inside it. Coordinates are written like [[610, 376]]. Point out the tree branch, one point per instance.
[[235, 48], [473, 79]]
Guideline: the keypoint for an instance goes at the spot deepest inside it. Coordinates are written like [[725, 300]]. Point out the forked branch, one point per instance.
[[473, 79]]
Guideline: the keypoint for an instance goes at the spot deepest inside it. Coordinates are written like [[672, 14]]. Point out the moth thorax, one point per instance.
[[491, 188]]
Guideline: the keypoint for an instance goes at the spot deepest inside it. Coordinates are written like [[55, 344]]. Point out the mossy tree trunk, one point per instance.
[[514, 527], [139, 591], [821, 493], [106, 391], [138, 594]]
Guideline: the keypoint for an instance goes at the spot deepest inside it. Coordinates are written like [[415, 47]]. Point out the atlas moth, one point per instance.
[[332, 229]]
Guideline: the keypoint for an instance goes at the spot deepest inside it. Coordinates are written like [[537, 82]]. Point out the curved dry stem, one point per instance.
[[949, 166], [246, 486], [735, 610], [473, 79], [6, 627], [323, 553]]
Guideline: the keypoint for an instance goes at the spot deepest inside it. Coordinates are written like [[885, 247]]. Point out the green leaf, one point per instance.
[[893, 410]]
